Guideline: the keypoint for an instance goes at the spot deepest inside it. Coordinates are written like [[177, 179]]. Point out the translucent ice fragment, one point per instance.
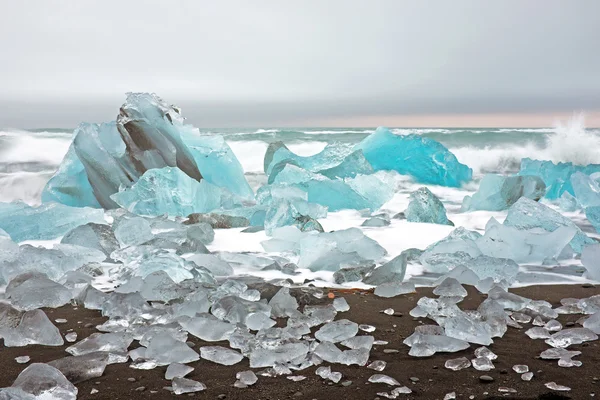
[[176, 370], [34, 290], [183, 385], [497, 192], [394, 289], [220, 355], [568, 337], [391, 272], [450, 287], [424, 206], [340, 304], [45, 382], [82, 368], [482, 364], [380, 378], [555, 386], [456, 364], [337, 331], [283, 304], [590, 258], [96, 236]]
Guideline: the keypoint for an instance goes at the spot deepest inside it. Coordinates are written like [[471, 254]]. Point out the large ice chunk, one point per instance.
[[22, 329], [497, 192], [45, 382], [590, 258], [96, 236], [169, 191], [424, 159], [557, 177], [164, 349], [34, 290], [82, 368], [424, 206], [45, 222], [586, 189], [529, 214]]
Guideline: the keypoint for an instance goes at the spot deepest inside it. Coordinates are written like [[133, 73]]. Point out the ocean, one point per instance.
[[29, 158]]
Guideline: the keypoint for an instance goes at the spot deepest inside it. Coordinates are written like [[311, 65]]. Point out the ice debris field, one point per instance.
[[156, 226]]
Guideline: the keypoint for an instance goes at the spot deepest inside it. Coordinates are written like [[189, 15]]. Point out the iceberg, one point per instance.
[[557, 177], [169, 191], [48, 221], [360, 192], [497, 192], [424, 206], [147, 134], [424, 159], [529, 214]]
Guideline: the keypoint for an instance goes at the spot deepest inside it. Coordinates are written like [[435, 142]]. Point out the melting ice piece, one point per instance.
[[164, 350], [82, 368], [590, 258], [465, 328], [424, 206], [425, 345], [521, 245], [48, 221], [391, 272], [283, 353], [109, 342], [456, 364], [176, 370], [557, 177], [283, 304], [593, 323], [482, 364], [425, 159], [497, 192], [538, 332], [22, 359], [529, 214], [169, 191], [133, 231], [567, 337], [44, 382], [32, 327], [298, 212], [208, 328], [520, 368], [557, 387], [394, 289], [360, 192], [586, 189], [337, 331], [450, 287], [485, 352], [96, 236], [377, 365], [34, 290], [340, 304], [183, 385], [527, 376], [220, 355], [248, 378], [380, 378]]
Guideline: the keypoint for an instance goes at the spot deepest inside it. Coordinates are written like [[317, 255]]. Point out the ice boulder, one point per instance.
[[360, 192], [43, 381], [20, 329], [424, 159], [557, 177], [497, 192], [48, 221], [169, 191], [148, 134], [586, 189], [424, 206], [34, 290], [529, 214]]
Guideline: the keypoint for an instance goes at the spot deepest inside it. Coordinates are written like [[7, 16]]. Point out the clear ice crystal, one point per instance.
[[381, 378], [555, 386], [220, 355], [177, 370], [337, 331], [482, 364], [183, 385], [568, 337], [44, 382], [394, 289], [424, 206], [456, 364]]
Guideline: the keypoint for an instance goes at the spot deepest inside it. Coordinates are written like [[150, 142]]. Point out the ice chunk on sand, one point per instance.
[[380, 378], [528, 214], [450, 287], [48, 221], [567, 337], [45, 382], [456, 364], [557, 177], [220, 355], [96, 236], [108, 342], [208, 328], [424, 159], [183, 385], [32, 327], [337, 331], [593, 323], [283, 304], [177, 370], [391, 272], [497, 192], [393, 289], [169, 191], [425, 345], [340, 304], [424, 206], [34, 290], [326, 373], [246, 378], [283, 353], [164, 349], [82, 368]]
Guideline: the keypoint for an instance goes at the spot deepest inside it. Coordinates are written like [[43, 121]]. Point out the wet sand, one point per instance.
[[434, 381]]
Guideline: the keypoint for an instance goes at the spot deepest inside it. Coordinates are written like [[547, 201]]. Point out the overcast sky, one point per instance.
[[313, 62]]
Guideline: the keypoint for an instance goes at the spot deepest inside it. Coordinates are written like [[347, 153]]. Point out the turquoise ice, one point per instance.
[[497, 192], [424, 206]]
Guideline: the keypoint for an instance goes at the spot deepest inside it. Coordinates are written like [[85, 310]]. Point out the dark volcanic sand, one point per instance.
[[434, 380]]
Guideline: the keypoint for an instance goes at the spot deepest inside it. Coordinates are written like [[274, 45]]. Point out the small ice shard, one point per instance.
[[109, 342], [337, 331], [456, 364], [44, 382], [283, 304], [394, 289], [425, 345], [450, 287], [521, 318], [567, 337], [553, 326], [557, 387], [296, 378], [504, 389], [529, 214], [34, 290], [183, 385], [340, 304], [32, 327], [170, 191], [538, 321], [96, 236], [367, 328], [48, 221], [424, 206], [520, 368], [22, 359], [283, 353], [538, 332], [248, 378], [567, 202], [590, 258], [566, 362], [482, 364], [325, 373], [380, 378], [177, 370], [450, 396], [82, 368], [391, 272], [527, 376], [220, 355], [486, 353], [388, 311], [497, 192], [593, 323], [425, 159], [558, 353], [377, 365]]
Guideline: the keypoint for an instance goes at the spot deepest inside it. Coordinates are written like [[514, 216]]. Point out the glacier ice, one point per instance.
[[218, 221], [82, 368], [177, 370], [424, 159], [424, 206], [34, 290], [337, 331], [184, 385], [44, 382], [390, 272], [497, 192], [586, 189], [590, 258], [529, 214], [220, 355], [557, 177], [96, 236], [48, 221], [31, 327]]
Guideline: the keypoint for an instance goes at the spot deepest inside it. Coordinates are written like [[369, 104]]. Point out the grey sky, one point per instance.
[[237, 63]]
